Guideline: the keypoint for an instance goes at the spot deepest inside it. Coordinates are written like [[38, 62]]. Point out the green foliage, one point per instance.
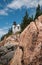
[[26, 21], [8, 34], [30, 19], [38, 12], [10, 31], [2, 37]]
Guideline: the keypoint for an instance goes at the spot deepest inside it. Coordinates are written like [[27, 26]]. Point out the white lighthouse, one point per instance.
[[16, 28]]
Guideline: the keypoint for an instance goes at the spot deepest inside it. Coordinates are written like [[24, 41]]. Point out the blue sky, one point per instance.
[[14, 10]]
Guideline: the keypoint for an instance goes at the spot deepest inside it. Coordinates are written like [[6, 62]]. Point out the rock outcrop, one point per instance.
[[6, 54], [3, 42], [25, 50], [7, 49], [17, 58], [31, 42]]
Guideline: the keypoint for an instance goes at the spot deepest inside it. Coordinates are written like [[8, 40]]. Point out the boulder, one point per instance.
[[3, 50], [6, 58], [10, 46], [17, 58], [6, 53]]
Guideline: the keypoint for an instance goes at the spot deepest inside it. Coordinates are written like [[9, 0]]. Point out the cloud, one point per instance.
[[3, 12], [3, 31], [4, 0], [17, 4], [0, 5]]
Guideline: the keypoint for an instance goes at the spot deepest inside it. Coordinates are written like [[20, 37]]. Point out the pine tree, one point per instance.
[[7, 34], [38, 11], [24, 21], [30, 19]]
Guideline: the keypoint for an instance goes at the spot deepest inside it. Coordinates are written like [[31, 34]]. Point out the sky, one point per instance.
[[14, 10]]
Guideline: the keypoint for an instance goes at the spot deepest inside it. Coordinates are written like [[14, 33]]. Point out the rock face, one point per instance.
[[6, 53], [7, 49], [31, 42], [28, 47], [17, 58], [3, 42]]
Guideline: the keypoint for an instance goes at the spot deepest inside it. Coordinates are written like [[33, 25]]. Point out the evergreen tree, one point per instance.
[[38, 11], [10, 31], [7, 34], [30, 19], [24, 21]]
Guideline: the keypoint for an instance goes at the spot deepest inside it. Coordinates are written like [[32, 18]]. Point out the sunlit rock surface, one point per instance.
[[31, 41]]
